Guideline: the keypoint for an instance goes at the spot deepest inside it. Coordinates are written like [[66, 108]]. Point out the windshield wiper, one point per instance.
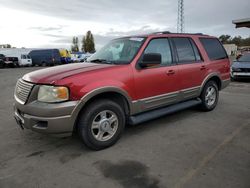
[[100, 61]]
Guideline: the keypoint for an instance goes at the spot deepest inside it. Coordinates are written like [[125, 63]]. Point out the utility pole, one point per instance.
[[180, 21]]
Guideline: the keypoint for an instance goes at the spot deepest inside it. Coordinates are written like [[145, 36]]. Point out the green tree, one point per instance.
[[88, 43], [237, 40], [75, 45], [225, 39]]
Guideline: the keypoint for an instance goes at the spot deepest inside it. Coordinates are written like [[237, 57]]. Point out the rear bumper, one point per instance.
[[54, 119]]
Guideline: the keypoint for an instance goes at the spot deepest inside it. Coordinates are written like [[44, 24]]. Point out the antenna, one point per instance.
[[180, 21]]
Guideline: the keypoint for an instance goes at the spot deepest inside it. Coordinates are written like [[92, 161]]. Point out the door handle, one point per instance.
[[203, 67], [170, 72]]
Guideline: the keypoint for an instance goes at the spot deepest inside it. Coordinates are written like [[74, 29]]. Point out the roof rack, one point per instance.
[[168, 32], [161, 32]]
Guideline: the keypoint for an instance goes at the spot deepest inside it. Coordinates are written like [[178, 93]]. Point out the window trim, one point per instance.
[[194, 45], [191, 43], [173, 63]]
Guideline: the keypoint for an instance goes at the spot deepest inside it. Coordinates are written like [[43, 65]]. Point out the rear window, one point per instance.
[[214, 48]]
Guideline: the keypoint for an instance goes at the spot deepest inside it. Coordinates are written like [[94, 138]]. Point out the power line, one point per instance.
[[180, 21]]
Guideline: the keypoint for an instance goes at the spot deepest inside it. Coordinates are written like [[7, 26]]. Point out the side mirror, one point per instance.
[[150, 59]]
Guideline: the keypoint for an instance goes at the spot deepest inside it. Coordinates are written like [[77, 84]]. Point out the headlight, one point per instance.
[[52, 94], [236, 69]]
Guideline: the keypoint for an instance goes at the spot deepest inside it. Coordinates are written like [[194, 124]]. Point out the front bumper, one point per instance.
[[56, 118], [240, 74]]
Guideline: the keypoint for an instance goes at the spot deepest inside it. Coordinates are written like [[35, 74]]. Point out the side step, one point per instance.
[[153, 114]]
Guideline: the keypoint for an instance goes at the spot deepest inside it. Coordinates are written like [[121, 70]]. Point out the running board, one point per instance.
[[153, 114]]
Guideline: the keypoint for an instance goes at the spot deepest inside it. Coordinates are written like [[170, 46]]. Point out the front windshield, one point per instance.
[[245, 58], [119, 51]]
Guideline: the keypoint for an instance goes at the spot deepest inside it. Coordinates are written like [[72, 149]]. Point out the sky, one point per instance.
[[52, 24]]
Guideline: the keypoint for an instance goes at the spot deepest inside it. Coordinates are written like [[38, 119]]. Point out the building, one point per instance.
[[231, 49], [242, 23]]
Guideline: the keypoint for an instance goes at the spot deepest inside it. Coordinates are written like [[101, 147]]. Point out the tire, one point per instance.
[[43, 64], [209, 102], [106, 131]]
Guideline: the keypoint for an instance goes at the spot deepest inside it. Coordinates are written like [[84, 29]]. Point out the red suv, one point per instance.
[[129, 81]]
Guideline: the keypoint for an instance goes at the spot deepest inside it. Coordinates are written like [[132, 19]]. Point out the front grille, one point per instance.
[[23, 90], [245, 70]]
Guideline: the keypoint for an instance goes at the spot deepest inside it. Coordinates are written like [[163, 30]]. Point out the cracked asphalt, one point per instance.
[[188, 149]]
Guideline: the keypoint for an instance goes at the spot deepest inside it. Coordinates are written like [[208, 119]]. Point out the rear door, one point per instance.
[[217, 57], [158, 85], [192, 69]]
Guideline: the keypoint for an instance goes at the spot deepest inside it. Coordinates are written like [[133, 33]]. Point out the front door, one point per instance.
[[157, 85]]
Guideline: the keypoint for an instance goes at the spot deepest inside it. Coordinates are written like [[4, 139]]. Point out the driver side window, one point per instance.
[[160, 46]]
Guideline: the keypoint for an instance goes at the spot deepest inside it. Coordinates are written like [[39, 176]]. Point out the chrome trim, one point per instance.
[[190, 93], [22, 91], [159, 100], [158, 96]]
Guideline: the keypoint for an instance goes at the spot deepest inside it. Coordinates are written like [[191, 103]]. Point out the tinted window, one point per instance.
[[162, 47], [214, 49], [184, 49]]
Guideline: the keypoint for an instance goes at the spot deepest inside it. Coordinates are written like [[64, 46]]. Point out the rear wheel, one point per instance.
[[44, 64], [209, 96], [101, 124]]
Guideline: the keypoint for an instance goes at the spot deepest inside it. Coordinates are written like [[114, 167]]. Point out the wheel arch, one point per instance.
[[112, 93], [214, 77]]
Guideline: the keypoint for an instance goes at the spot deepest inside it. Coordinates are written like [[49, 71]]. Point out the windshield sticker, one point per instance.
[[136, 39]]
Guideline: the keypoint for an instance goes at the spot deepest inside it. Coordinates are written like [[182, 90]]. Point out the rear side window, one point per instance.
[[186, 50], [214, 48]]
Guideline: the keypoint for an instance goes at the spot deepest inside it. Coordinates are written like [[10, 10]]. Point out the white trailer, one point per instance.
[[21, 53]]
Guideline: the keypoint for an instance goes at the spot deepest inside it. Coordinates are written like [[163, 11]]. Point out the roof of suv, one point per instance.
[[169, 33]]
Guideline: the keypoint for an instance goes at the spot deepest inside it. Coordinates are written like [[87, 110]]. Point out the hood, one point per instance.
[[239, 64], [53, 74]]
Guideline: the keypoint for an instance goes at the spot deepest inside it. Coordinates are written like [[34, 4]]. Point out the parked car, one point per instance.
[[65, 56], [129, 81], [78, 57], [241, 67], [11, 62], [45, 57], [8, 61], [19, 53]]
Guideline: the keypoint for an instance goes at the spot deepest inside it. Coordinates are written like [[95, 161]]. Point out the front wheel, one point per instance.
[[209, 96], [101, 124]]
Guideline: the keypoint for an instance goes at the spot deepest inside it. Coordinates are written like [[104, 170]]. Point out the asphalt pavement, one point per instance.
[[187, 149]]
